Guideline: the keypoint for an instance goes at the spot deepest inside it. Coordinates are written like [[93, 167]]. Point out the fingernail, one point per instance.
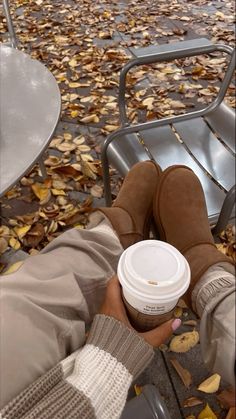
[[176, 323]]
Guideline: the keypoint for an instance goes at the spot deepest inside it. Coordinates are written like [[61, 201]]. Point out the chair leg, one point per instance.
[[226, 211], [106, 177], [42, 168]]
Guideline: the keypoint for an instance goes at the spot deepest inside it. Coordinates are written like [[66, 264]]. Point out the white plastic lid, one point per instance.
[[154, 270]]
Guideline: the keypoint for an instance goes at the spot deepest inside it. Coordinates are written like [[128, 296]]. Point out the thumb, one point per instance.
[[160, 334]]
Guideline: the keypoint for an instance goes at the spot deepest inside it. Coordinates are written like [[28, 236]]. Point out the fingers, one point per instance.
[[113, 304], [160, 334]]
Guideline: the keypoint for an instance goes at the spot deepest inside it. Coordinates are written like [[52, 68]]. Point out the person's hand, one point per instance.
[[113, 306]]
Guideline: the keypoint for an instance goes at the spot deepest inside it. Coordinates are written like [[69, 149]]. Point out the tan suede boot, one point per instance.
[[180, 215], [131, 213]]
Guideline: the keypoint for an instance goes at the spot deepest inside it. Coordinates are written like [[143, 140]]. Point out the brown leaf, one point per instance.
[[183, 373], [68, 170], [190, 323], [34, 236], [227, 398], [192, 401]]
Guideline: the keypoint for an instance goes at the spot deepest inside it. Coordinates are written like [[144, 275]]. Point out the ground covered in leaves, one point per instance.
[[85, 44]]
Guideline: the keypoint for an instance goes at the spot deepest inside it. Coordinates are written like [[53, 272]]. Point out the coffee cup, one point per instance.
[[153, 275]]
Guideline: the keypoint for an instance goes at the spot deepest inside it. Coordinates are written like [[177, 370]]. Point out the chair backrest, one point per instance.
[[11, 30]]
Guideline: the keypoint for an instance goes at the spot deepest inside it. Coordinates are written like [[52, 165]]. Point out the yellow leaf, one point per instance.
[[13, 268], [83, 148], [58, 192], [67, 136], [90, 118], [211, 384], [178, 312], [73, 63], [79, 140], [207, 413], [86, 157], [184, 342], [42, 192], [111, 128], [138, 389], [66, 146], [74, 114], [21, 231], [14, 243], [148, 102]]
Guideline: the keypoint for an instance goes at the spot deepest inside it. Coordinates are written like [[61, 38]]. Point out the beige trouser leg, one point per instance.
[[46, 304], [213, 298]]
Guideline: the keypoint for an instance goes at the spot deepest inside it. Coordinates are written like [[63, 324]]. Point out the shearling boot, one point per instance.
[[180, 215], [131, 213]]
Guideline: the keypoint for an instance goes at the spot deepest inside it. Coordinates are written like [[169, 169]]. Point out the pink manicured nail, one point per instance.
[[176, 323]]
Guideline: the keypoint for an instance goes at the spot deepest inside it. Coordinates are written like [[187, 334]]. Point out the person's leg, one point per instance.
[[47, 302], [181, 217], [45, 305]]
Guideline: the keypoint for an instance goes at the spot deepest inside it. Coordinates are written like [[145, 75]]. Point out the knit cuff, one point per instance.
[[121, 342]]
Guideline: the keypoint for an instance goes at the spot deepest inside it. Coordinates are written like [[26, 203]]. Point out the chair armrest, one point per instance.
[[168, 52]]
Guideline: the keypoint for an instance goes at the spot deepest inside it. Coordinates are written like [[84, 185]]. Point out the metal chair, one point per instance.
[[30, 108], [11, 30], [207, 135]]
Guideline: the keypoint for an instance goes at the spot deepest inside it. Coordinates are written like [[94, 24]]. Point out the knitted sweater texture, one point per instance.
[[92, 382]]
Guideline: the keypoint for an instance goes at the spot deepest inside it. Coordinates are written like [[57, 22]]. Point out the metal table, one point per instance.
[[30, 105]]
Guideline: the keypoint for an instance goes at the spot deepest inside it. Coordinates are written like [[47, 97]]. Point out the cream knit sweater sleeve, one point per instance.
[[92, 382]]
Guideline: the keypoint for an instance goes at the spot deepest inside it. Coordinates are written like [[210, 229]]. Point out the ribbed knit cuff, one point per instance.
[[214, 286], [121, 342]]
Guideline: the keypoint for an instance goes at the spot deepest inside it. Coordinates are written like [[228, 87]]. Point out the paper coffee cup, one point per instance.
[[153, 275]]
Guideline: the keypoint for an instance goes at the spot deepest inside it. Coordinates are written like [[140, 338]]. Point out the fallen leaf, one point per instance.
[[178, 312], [191, 401], [111, 128], [88, 169], [211, 384], [90, 118], [227, 398], [97, 191], [207, 413], [13, 268], [34, 236], [57, 192], [42, 192], [181, 303], [183, 373], [14, 243], [21, 231], [66, 146], [73, 63], [148, 103], [3, 245], [138, 389], [69, 170], [184, 342]]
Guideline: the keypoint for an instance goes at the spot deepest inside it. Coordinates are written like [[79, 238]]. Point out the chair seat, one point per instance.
[[195, 146], [29, 112]]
